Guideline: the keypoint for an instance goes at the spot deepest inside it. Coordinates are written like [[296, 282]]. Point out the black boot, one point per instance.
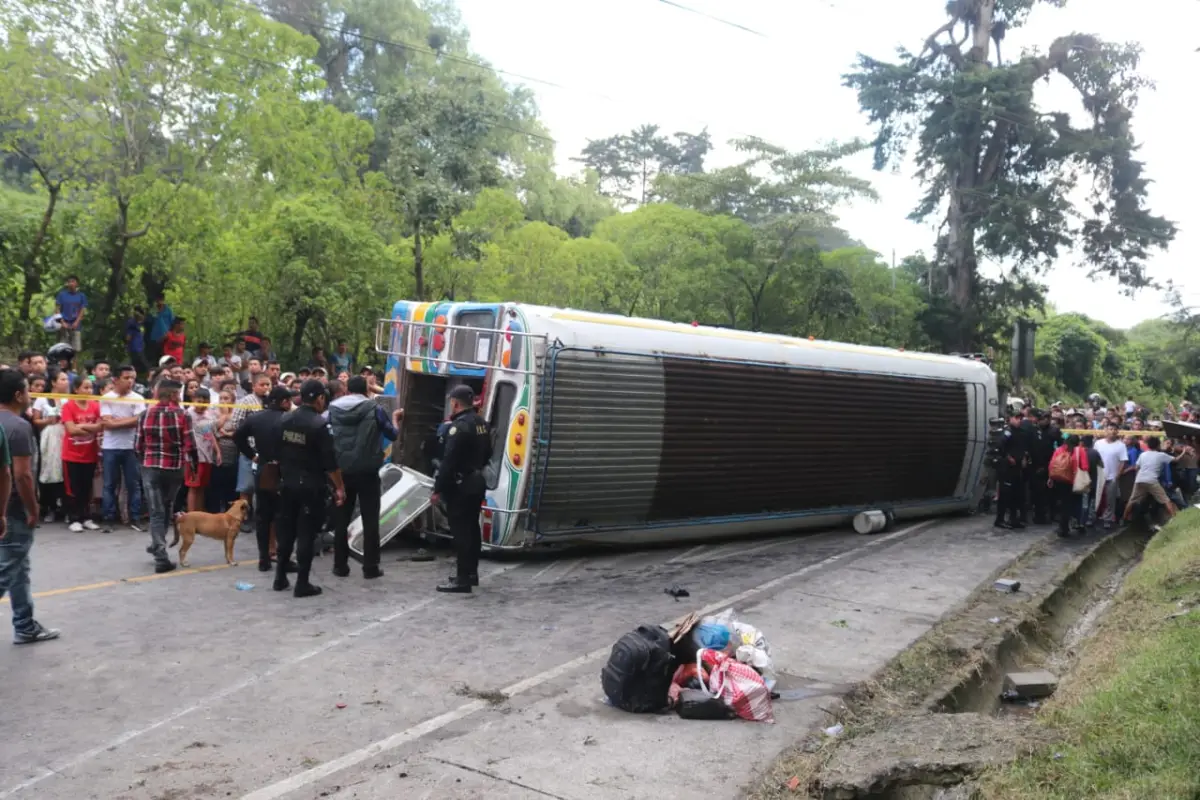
[[305, 589], [370, 573], [474, 579], [264, 565], [453, 586], [341, 570]]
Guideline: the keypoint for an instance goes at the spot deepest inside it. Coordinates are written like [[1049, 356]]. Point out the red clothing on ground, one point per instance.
[[85, 448], [173, 344]]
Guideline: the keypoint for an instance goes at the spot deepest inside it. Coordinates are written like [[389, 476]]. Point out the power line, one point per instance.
[[697, 11]]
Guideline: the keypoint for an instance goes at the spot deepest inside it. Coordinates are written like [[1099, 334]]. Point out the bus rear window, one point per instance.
[[471, 347]]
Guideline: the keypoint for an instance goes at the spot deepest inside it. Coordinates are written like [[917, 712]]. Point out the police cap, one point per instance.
[[310, 390], [279, 394], [463, 394]]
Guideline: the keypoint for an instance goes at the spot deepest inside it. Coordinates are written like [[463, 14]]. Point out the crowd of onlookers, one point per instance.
[[86, 469], [1094, 464]]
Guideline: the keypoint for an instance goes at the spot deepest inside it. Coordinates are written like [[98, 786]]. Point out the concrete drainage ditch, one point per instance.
[[931, 748]]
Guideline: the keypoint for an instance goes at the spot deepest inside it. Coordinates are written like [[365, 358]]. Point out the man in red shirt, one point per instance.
[[162, 441]]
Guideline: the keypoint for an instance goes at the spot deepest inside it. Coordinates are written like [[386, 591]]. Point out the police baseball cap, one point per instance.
[[463, 394], [279, 394], [311, 389]]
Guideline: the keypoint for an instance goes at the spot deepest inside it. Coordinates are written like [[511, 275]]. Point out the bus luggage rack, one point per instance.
[[397, 335]]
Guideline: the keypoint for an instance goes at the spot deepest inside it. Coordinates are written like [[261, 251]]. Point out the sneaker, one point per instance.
[[48, 519], [75, 527], [166, 566], [107, 527], [91, 526], [38, 633], [137, 527]]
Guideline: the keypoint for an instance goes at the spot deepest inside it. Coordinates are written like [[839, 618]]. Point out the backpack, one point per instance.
[[637, 676], [1062, 466]]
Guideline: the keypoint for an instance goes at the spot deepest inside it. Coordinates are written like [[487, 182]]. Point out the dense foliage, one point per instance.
[[311, 162]]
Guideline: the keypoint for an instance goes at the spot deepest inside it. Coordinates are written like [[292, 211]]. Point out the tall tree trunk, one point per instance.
[[302, 318], [961, 268], [116, 259], [33, 278], [418, 261]]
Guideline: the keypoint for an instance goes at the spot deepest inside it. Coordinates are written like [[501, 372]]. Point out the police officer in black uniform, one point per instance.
[[258, 438], [1009, 471], [306, 461], [461, 483]]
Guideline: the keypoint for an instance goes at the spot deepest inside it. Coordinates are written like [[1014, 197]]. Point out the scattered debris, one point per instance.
[[242, 586], [677, 591], [493, 696], [589, 740], [835, 730], [1030, 685], [840, 623], [793, 783], [1007, 585], [341, 705], [995, 620], [422, 555]]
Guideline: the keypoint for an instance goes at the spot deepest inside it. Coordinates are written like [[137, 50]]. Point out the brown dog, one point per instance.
[[215, 526]]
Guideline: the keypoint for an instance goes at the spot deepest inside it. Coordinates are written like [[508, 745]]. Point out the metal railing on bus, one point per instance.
[[385, 331]]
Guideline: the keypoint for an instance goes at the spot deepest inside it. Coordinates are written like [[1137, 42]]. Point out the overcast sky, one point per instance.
[[623, 63]]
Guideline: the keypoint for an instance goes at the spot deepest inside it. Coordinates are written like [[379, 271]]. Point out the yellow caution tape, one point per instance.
[[146, 401]]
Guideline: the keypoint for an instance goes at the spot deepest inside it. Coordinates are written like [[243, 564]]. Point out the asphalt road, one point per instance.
[[182, 686]]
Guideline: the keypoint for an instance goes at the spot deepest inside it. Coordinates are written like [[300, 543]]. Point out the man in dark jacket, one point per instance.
[[258, 438], [360, 426], [461, 483]]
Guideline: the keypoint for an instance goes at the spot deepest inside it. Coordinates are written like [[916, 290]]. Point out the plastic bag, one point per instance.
[[738, 685], [760, 660], [713, 635]]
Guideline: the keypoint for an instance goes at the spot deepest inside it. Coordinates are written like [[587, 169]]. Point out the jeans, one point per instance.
[[14, 573], [121, 466], [161, 487], [1112, 493], [1187, 480], [365, 488], [73, 337], [245, 475]]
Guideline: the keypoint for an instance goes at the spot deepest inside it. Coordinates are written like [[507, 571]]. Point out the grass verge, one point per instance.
[[1127, 722]]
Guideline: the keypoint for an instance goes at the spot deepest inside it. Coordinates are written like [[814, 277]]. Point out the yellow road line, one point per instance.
[[88, 587]]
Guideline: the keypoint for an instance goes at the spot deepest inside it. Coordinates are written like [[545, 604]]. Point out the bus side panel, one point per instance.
[[599, 435], [640, 440]]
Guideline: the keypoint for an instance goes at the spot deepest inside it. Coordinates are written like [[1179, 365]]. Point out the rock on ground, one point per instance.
[[929, 749]]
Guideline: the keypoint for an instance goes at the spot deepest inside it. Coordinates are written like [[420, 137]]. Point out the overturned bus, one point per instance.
[[613, 429]]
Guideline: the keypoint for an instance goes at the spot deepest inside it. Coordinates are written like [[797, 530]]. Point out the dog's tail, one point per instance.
[[175, 526]]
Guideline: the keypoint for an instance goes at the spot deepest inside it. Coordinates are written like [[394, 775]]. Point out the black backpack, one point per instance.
[[637, 676]]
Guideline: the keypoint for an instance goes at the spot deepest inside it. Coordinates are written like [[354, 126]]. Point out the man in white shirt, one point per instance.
[[120, 409], [1150, 468], [1115, 456]]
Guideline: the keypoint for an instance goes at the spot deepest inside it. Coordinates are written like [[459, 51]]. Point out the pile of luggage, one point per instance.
[[707, 668]]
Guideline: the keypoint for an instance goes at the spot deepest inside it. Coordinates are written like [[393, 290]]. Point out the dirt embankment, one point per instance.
[[932, 722]]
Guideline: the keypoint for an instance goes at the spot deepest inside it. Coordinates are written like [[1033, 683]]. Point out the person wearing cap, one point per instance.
[[307, 461], [360, 429], [204, 353], [460, 482], [163, 441], [258, 439]]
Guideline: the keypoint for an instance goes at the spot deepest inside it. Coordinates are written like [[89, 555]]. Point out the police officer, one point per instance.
[[460, 482], [258, 438], [1013, 451], [306, 457]]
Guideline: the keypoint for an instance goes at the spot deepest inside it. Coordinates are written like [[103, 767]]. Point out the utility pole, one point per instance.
[[893, 269]]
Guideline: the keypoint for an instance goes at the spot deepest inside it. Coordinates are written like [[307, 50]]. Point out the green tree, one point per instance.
[[627, 165], [1003, 170]]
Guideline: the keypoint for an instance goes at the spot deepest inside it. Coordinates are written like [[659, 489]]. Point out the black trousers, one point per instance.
[[266, 511], [1039, 493], [1009, 502], [463, 515], [366, 489], [301, 515], [1067, 503], [79, 484]]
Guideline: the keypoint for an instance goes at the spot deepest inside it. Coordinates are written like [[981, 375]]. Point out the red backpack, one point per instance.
[[1062, 466]]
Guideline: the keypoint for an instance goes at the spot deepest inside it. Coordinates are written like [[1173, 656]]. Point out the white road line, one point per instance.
[[683, 556], [355, 757], [210, 699]]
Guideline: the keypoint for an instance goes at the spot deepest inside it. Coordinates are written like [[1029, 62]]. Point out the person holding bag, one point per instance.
[[1066, 476]]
